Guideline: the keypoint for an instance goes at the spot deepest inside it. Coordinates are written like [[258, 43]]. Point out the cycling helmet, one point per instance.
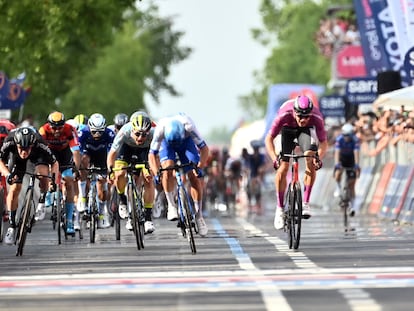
[[24, 137], [56, 119], [347, 129], [97, 122], [303, 105], [120, 119], [141, 122], [174, 132], [81, 119]]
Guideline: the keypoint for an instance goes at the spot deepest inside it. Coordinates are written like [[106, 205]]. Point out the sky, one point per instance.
[[220, 69]]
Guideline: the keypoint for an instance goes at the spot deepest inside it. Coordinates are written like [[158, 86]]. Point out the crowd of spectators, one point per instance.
[[384, 128], [334, 33]]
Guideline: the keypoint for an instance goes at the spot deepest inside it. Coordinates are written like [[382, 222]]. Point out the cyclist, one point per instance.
[[256, 164], [347, 156], [62, 139], [120, 120], [299, 120], [20, 146], [179, 135], [95, 141], [131, 145], [5, 127]]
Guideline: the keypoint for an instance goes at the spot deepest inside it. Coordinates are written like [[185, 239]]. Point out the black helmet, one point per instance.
[[24, 137], [120, 119]]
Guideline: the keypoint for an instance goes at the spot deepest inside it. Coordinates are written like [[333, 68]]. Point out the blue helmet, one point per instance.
[[174, 132]]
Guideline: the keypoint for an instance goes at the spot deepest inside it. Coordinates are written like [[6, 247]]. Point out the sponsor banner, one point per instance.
[[4, 85], [398, 210], [15, 97], [394, 191], [408, 7], [406, 215], [332, 106], [362, 187], [361, 91], [371, 39], [350, 62], [409, 65], [398, 17], [382, 186]]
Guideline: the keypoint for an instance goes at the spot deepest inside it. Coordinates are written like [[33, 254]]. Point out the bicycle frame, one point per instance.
[[293, 216], [135, 204], [186, 210]]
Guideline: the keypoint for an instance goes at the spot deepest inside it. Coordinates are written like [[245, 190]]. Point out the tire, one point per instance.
[[114, 203], [296, 220], [134, 216], [24, 223], [345, 205], [188, 220], [288, 216], [59, 212], [92, 222]]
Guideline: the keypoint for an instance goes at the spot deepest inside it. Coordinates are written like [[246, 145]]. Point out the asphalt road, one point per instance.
[[243, 264]]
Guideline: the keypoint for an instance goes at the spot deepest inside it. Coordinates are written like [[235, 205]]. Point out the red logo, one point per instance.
[[350, 62]]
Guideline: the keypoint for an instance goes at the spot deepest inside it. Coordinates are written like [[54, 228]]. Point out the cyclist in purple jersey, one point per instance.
[[297, 121]]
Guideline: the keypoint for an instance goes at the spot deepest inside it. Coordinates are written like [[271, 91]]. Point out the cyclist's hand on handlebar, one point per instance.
[[338, 166], [10, 179], [157, 179], [317, 163], [198, 172], [276, 163]]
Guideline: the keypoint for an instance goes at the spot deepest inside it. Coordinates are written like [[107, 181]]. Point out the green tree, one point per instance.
[[289, 28], [57, 44], [138, 62]]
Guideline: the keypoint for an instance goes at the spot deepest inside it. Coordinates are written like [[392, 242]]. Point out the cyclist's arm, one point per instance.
[[323, 147], [204, 152], [110, 159], [270, 147], [154, 162]]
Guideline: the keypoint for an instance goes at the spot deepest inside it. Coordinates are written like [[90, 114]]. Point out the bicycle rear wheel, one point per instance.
[[59, 212], [344, 205], [24, 223], [188, 220], [295, 215]]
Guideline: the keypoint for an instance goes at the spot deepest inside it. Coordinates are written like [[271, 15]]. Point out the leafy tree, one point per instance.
[[137, 62], [289, 33], [57, 44]]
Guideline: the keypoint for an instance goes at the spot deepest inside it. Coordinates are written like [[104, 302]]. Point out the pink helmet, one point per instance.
[[303, 105]]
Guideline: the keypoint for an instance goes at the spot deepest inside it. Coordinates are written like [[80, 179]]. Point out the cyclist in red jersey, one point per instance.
[[299, 120], [62, 139]]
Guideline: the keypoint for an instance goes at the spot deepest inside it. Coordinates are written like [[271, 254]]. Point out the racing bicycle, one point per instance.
[[293, 215], [186, 211]]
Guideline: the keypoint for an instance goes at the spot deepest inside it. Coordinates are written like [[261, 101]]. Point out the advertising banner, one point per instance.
[[350, 62], [375, 56], [361, 91], [332, 106]]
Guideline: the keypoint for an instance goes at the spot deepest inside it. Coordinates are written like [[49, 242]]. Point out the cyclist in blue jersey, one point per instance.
[[346, 155], [95, 141], [131, 145], [178, 135]]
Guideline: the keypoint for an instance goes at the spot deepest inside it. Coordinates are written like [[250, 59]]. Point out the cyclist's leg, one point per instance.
[[70, 184], [167, 158], [308, 142], [42, 169]]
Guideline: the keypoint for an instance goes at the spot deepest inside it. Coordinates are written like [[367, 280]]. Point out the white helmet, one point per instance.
[[347, 129], [97, 122]]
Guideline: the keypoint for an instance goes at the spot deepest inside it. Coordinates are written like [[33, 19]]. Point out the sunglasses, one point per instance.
[[142, 134], [303, 117], [24, 148], [96, 132], [57, 128]]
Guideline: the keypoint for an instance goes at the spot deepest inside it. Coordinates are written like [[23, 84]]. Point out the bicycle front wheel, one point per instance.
[[188, 220], [24, 223], [139, 234], [116, 219], [295, 211]]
